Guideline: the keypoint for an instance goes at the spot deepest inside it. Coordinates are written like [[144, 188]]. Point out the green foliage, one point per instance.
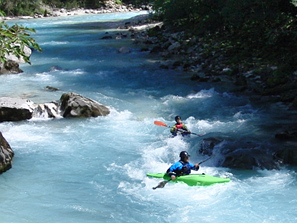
[[14, 39], [247, 28], [137, 2], [20, 7], [30, 7]]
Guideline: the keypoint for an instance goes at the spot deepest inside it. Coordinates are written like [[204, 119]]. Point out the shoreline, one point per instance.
[[110, 7]]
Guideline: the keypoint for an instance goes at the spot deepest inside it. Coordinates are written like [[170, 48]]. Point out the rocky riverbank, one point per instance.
[[190, 54], [179, 50]]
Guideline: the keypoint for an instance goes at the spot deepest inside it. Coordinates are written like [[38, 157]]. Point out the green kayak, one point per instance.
[[192, 179]]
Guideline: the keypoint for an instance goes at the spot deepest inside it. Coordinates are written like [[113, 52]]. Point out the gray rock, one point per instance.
[[74, 105], [174, 46], [6, 155], [15, 109], [124, 49], [12, 57], [10, 67], [48, 110], [70, 105]]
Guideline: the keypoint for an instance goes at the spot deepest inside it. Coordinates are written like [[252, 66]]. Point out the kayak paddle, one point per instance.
[[163, 183], [159, 123]]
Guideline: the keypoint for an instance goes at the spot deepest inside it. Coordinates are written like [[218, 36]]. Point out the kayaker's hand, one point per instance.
[[173, 177], [196, 166]]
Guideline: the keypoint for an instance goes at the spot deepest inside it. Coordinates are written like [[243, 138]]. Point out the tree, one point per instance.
[[14, 39]]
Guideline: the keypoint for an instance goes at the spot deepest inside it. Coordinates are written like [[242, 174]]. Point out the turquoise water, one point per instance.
[[93, 170]]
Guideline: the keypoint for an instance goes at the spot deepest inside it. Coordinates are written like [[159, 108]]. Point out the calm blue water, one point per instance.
[[93, 170]]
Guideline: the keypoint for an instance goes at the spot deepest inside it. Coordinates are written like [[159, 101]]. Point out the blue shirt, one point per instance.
[[181, 168]]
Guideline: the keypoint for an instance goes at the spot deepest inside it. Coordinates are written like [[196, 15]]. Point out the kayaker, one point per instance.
[[182, 167], [179, 127]]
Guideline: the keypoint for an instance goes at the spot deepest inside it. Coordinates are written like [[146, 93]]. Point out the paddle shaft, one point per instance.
[[207, 159]]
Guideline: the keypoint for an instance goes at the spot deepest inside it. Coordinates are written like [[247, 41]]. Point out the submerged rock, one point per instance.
[[124, 50]]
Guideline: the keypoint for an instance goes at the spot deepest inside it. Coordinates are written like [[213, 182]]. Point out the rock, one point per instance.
[[174, 46], [249, 159], [287, 155], [106, 37], [70, 105], [294, 104], [12, 57], [6, 155], [15, 109], [51, 88], [286, 135], [10, 67], [48, 110], [239, 154], [74, 105], [146, 26], [208, 145], [124, 49], [55, 68]]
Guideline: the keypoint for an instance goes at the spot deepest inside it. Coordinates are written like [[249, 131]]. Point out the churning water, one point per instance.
[[94, 170]]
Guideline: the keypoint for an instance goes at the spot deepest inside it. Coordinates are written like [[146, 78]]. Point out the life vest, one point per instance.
[[186, 169], [178, 126], [183, 169]]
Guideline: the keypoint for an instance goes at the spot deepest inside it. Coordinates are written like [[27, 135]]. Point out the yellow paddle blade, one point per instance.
[[160, 123]]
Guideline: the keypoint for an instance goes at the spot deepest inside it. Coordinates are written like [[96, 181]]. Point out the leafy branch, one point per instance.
[[14, 40]]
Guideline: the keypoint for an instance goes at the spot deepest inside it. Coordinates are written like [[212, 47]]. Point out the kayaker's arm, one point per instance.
[[170, 172], [196, 166], [173, 129], [186, 130], [174, 170]]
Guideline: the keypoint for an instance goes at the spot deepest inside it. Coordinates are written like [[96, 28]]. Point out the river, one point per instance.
[[94, 170]]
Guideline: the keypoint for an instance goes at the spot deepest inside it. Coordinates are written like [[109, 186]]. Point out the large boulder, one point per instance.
[[239, 154], [249, 158], [15, 109], [74, 105], [6, 155]]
